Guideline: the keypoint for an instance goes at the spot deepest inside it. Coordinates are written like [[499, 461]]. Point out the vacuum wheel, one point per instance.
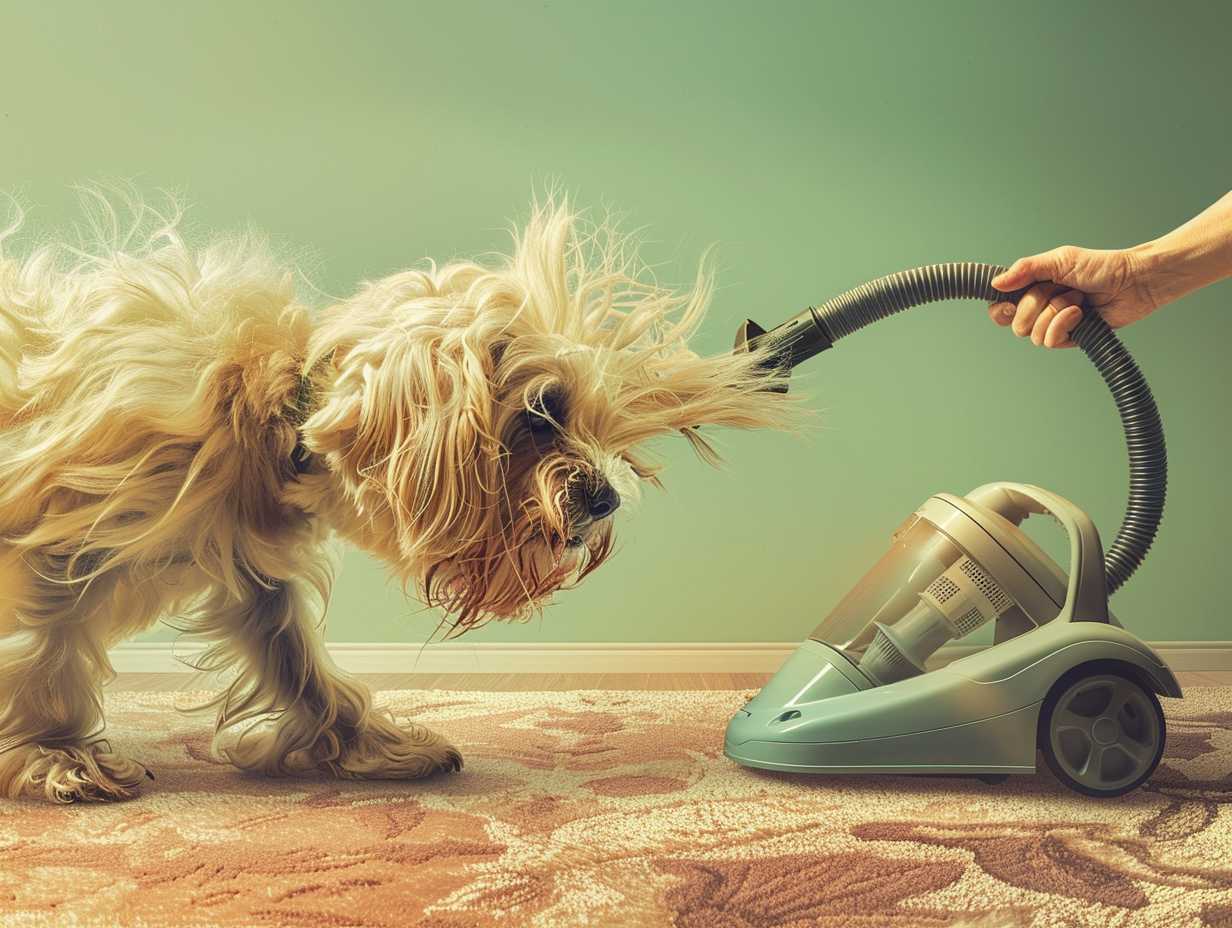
[[1101, 732]]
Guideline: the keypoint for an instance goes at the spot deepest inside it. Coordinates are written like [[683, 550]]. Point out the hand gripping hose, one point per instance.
[[817, 328]]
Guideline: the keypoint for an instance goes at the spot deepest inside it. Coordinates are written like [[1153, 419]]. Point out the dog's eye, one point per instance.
[[546, 414]]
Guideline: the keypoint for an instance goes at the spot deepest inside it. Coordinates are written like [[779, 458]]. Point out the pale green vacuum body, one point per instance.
[[889, 682]]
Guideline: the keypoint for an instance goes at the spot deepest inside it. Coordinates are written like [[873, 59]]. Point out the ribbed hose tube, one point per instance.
[[1144, 433]]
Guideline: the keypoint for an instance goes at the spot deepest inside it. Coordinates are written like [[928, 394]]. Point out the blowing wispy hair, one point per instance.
[[179, 436]]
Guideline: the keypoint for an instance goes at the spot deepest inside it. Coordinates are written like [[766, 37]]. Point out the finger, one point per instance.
[[1016, 276], [1030, 306], [1048, 265], [1001, 313], [1042, 321], [1062, 326], [1059, 302]]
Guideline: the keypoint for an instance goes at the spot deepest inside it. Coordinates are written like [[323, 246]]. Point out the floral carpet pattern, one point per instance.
[[618, 809]]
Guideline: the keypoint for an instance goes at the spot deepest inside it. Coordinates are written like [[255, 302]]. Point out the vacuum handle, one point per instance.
[[1086, 598]]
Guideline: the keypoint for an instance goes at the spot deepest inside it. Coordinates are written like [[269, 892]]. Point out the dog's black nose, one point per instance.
[[602, 500]]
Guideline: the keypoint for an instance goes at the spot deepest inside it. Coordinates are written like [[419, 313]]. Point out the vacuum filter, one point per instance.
[[956, 603]]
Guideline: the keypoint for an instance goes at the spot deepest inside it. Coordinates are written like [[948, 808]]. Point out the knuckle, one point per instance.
[[1065, 258]]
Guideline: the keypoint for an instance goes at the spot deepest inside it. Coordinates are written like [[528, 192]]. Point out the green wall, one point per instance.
[[818, 144]]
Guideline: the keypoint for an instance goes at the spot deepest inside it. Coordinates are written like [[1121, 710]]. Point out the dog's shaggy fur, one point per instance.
[[179, 436]]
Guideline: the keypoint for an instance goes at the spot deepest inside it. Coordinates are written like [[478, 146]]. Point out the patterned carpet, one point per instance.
[[618, 809]]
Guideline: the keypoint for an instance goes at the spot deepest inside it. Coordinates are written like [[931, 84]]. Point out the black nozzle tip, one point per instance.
[[747, 335]]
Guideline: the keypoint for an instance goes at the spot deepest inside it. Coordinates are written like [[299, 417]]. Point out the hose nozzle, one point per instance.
[[786, 345]]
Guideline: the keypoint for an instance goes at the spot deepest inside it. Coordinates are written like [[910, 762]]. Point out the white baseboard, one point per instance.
[[567, 657]]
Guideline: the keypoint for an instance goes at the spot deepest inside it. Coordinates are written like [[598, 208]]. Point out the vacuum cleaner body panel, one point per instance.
[[1003, 744], [868, 692], [1068, 645]]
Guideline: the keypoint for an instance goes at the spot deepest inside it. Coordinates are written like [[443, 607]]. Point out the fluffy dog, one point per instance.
[[179, 437]]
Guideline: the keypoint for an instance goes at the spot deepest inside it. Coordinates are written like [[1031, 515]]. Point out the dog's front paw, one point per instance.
[[71, 773], [387, 751]]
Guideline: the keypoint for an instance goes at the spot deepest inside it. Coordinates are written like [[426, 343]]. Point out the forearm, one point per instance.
[[1191, 256]]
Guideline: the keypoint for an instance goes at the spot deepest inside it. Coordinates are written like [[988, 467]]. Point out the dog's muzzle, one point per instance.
[[602, 500], [594, 502]]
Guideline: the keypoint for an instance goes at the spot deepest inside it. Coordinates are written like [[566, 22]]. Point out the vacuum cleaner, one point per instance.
[[887, 684]]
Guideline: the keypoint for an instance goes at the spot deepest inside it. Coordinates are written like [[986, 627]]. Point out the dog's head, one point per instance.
[[484, 422]]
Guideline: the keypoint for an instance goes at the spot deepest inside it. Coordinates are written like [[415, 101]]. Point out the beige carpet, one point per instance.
[[619, 809]]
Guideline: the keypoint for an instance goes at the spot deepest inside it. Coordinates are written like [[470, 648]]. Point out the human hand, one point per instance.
[[1116, 283]]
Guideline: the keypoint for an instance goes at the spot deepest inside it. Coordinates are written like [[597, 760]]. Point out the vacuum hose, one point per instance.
[[817, 328]]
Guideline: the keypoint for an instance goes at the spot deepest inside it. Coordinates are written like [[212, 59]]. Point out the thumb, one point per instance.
[[1027, 271]]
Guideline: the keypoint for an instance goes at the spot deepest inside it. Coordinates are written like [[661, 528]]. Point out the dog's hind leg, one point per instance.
[[291, 710], [51, 718]]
